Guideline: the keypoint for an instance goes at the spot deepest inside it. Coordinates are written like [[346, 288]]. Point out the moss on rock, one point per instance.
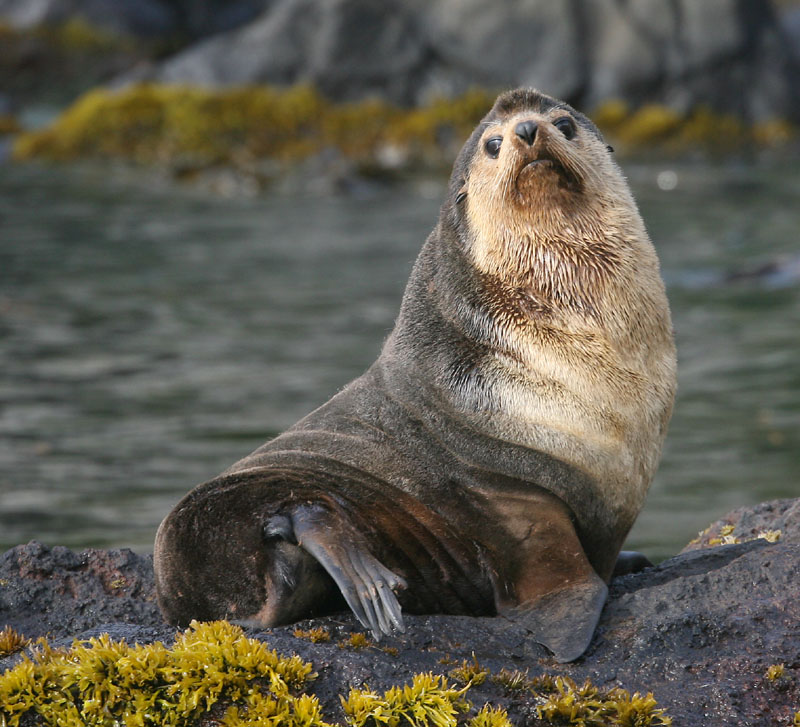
[[659, 127], [213, 673], [11, 642], [182, 125], [101, 682], [249, 129]]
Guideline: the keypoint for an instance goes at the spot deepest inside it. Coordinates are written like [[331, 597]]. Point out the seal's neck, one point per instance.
[[550, 262]]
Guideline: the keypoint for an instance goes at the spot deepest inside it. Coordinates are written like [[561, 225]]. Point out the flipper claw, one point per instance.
[[364, 581]]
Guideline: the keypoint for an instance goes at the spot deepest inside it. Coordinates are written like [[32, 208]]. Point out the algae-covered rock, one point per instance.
[[734, 57], [707, 637], [51, 64], [774, 521], [189, 128], [261, 132]]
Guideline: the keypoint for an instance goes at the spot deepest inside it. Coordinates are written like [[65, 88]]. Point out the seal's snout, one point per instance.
[[526, 130]]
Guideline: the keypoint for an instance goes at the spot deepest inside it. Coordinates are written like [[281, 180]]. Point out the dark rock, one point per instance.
[[737, 56], [50, 68], [200, 18], [141, 18], [699, 631], [347, 48], [58, 592], [747, 523], [730, 55], [273, 48], [508, 43]]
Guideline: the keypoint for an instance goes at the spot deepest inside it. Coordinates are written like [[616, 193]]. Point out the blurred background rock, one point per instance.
[[738, 56]]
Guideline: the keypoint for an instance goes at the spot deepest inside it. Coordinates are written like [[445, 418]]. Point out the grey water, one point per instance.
[[152, 334]]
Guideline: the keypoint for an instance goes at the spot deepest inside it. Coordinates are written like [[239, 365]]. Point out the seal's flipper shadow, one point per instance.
[[630, 561], [366, 584], [565, 620]]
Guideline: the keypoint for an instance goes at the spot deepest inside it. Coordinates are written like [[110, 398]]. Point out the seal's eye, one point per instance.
[[566, 126], [492, 146]]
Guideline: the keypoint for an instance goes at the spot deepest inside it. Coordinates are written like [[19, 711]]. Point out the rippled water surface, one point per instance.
[[150, 336]]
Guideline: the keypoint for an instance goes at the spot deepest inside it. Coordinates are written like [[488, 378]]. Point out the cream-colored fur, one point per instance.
[[585, 360]]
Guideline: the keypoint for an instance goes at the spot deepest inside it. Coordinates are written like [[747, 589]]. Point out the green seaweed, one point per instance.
[[315, 636], [489, 716], [11, 642], [470, 672], [659, 127], [355, 641], [104, 682], [188, 126], [427, 701], [562, 702], [214, 671]]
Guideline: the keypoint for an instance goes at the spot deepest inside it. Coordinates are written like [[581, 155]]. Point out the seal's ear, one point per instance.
[[462, 193]]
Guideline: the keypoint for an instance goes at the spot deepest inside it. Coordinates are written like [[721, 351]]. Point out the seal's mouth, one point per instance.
[[542, 164]]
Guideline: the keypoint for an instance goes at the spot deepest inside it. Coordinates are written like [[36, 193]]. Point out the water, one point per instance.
[[150, 336]]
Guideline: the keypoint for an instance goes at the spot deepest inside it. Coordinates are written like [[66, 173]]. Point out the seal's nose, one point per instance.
[[526, 130]]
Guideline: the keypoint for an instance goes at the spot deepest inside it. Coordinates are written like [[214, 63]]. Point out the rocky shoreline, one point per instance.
[[711, 633]]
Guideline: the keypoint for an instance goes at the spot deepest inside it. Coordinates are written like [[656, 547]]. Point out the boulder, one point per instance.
[[776, 519], [168, 19], [347, 48], [509, 43], [57, 592], [735, 56], [700, 631], [271, 49]]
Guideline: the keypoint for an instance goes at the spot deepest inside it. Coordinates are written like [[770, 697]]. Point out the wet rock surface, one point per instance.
[[699, 631], [55, 591]]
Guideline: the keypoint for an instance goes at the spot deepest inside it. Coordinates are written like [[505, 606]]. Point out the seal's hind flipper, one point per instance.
[[564, 621], [366, 584]]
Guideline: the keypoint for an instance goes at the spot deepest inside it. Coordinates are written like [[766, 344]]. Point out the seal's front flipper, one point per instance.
[[366, 584], [553, 591], [564, 621]]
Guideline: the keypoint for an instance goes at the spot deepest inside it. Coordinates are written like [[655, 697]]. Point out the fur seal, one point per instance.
[[494, 457]]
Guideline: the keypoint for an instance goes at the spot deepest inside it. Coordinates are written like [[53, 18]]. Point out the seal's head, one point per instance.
[[535, 171]]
